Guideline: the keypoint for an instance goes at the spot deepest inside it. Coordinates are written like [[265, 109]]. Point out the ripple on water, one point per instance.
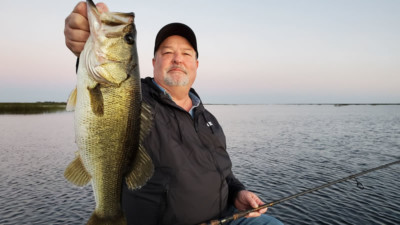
[[277, 152]]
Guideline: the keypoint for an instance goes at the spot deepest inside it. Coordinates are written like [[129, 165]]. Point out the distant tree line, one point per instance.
[[31, 107]]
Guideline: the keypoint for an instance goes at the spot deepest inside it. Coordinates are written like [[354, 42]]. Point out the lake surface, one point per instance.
[[277, 151]]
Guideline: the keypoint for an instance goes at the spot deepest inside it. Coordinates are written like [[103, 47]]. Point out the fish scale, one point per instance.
[[110, 118]]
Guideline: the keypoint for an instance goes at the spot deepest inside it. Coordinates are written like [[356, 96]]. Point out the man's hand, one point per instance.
[[76, 30], [248, 200]]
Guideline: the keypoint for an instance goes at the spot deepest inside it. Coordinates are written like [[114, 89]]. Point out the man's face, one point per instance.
[[175, 63]]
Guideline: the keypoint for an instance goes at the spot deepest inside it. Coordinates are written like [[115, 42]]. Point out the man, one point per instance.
[[193, 181]]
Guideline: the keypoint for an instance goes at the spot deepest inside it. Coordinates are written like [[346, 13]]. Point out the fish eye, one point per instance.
[[129, 39]]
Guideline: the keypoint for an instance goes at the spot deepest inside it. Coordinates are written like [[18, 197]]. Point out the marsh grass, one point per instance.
[[32, 108]]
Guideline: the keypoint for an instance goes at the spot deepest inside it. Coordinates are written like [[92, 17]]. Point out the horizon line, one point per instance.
[[336, 104]]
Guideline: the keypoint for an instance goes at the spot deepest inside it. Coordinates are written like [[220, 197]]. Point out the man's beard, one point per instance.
[[182, 81], [171, 80]]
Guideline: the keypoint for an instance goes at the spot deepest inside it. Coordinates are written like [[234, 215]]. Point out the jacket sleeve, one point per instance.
[[234, 186]]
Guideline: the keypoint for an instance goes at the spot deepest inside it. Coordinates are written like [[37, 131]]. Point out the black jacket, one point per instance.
[[193, 181]]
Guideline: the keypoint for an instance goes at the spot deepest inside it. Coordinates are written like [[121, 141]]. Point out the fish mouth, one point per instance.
[[117, 19], [91, 3], [92, 7], [110, 18], [110, 56]]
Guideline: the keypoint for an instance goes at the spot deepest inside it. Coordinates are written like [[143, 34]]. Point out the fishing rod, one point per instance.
[[245, 213]]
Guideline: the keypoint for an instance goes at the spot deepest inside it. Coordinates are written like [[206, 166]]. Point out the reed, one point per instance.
[[31, 108]]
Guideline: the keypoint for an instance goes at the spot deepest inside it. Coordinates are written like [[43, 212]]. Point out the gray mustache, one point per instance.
[[177, 67]]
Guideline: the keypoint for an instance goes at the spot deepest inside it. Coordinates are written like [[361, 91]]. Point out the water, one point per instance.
[[277, 151]]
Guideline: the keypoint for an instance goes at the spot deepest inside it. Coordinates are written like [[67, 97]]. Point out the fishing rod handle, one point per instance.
[[212, 222]]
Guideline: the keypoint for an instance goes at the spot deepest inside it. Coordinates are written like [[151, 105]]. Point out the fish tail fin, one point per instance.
[[95, 219], [142, 166], [71, 103], [76, 172]]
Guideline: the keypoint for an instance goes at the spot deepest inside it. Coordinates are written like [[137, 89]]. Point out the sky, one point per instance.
[[250, 52]]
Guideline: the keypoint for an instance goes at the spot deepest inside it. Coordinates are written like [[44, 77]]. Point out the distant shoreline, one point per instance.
[[51, 107], [31, 107]]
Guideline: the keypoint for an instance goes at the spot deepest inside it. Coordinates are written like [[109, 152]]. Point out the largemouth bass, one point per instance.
[[110, 119]]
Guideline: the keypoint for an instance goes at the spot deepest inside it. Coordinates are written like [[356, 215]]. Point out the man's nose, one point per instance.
[[177, 58]]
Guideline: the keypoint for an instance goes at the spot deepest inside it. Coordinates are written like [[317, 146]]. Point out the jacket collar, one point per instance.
[[161, 95]]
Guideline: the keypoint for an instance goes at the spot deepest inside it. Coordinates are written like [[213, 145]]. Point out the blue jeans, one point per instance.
[[261, 220]]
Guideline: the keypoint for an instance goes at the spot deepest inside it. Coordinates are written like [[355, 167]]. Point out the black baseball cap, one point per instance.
[[176, 29]]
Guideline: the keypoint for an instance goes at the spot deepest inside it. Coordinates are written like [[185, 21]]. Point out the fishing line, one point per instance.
[[244, 213]]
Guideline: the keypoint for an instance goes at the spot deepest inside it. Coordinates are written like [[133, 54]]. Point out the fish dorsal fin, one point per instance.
[[71, 103], [146, 121], [76, 173], [142, 166]]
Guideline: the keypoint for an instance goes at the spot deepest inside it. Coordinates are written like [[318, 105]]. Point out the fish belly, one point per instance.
[[108, 142]]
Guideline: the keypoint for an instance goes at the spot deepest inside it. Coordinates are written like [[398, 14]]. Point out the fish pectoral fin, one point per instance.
[[71, 103], [142, 166], [76, 173], [96, 100]]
